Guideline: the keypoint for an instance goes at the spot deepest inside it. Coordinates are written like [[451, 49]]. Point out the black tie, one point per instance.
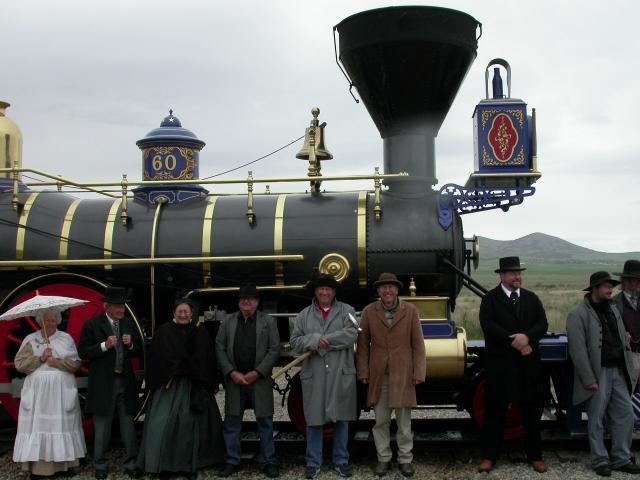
[[514, 298], [119, 351]]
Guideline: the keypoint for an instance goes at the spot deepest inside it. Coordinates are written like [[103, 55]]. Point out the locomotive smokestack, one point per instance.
[[408, 64]]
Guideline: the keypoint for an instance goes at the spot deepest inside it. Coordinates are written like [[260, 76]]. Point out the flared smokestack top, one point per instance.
[[408, 64]]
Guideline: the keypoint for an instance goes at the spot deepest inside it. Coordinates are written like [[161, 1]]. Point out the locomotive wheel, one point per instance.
[[513, 429], [14, 331], [295, 407]]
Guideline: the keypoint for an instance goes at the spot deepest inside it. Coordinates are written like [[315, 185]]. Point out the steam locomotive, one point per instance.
[[167, 235]]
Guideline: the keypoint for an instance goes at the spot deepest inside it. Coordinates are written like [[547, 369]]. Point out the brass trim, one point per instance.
[[124, 218], [207, 223], [86, 262], [66, 228], [263, 288], [22, 224], [532, 174], [58, 180], [251, 216], [152, 255], [335, 265], [108, 232], [362, 239], [377, 209], [278, 226]]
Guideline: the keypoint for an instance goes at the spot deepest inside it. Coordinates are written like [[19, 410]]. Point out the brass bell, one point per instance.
[[321, 151]]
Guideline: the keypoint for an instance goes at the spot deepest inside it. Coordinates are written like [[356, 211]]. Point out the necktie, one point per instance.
[[514, 298], [119, 353]]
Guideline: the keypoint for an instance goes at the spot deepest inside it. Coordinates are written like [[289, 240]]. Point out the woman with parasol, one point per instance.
[[49, 437]]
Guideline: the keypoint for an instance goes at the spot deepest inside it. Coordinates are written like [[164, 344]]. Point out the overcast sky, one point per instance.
[[87, 79]]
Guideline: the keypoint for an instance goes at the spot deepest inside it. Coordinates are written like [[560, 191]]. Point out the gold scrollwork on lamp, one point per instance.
[[336, 265]]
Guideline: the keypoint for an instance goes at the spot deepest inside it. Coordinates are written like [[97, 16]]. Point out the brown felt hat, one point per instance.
[[387, 279]]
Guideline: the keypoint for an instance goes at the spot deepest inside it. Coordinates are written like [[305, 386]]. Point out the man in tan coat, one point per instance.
[[391, 360]]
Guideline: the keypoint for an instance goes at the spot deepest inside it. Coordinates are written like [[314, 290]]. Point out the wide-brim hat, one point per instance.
[[387, 279], [631, 269], [598, 278], [510, 264], [115, 295], [248, 290], [323, 280]]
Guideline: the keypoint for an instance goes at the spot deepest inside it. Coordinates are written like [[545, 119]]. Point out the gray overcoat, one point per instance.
[[267, 354], [585, 343], [328, 376]]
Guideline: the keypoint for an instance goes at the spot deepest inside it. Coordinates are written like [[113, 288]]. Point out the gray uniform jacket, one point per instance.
[[267, 354], [329, 376], [585, 343]]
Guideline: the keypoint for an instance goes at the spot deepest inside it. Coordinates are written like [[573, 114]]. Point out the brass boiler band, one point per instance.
[[292, 235]]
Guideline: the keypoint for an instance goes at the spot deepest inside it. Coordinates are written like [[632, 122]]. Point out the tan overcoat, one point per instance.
[[397, 348]]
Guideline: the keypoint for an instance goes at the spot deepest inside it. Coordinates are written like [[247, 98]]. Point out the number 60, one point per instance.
[[168, 163]]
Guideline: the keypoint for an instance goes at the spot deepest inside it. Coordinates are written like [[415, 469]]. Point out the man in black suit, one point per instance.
[[108, 341], [513, 321]]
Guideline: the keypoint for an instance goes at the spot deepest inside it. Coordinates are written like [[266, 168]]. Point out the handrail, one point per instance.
[[90, 185], [147, 261]]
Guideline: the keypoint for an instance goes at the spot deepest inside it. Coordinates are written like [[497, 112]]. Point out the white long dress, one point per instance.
[[49, 436]]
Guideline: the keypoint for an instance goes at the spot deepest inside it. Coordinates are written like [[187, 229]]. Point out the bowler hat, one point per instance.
[[115, 295], [510, 264], [631, 269], [323, 280], [248, 290], [387, 279], [599, 278]]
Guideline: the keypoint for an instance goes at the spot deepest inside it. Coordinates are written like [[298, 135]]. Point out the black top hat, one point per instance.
[[387, 279], [510, 264], [248, 290], [599, 278], [115, 295], [631, 269], [323, 280]]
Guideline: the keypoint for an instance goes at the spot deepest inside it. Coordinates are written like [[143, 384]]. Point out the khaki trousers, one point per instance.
[[381, 434]]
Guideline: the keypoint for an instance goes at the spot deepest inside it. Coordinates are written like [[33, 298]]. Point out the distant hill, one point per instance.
[[540, 248]]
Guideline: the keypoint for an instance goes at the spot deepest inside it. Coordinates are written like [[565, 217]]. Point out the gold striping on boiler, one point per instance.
[[66, 229]]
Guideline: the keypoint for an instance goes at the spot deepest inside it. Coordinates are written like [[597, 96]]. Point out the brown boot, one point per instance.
[[486, 465], [539, 466]]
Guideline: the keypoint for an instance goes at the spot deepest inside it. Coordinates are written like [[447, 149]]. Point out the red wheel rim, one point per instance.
[[513, 429], [13, 332], [295, 407]]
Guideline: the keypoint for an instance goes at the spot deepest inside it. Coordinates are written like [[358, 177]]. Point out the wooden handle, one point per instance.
[[292, 364]]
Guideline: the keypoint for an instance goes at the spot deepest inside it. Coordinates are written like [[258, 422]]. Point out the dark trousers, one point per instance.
[[102, 425], [233, 431], [494, 422]]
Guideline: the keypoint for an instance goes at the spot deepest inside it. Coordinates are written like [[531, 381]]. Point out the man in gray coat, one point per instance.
[[628, 304], [247, 348], [328, 329], [599, 349]]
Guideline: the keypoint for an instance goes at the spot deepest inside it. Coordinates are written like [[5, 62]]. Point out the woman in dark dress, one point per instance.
[[182, 427]]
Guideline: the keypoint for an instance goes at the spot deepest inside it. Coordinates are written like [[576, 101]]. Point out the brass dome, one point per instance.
[[10, 142]]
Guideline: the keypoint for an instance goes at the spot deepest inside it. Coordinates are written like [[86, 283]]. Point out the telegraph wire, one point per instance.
[[254, 161], [205, 178]]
